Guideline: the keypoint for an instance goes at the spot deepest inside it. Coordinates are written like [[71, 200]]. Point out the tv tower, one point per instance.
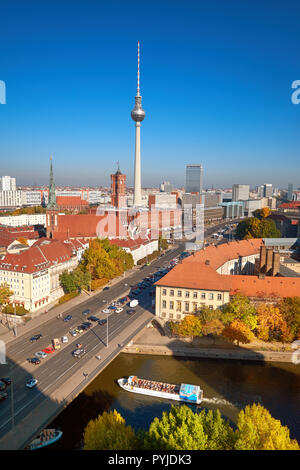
[[138, 114]]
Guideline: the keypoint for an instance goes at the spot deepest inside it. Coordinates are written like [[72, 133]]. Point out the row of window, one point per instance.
[[184, 306], [187, 294]]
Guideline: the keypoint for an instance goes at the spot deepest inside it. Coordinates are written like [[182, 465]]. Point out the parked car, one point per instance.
[[119, 310], [106, 310], [130, 311], [48, 350], [31, 383], [6, 380], [35, 337], [102, 322], [86, 312], [2, 386], [86, 325], [68, 318], [73, 332], [34, 360], [40, 354], [64, 339], [93, 318], [79, 329], [3, 396]]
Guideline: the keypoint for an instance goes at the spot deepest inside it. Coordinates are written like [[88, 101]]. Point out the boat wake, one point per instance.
[[219, 401]]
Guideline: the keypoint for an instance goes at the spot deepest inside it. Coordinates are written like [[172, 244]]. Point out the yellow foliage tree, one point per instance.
[[239, 332], [271, 324], [258, 430], [109, 432]]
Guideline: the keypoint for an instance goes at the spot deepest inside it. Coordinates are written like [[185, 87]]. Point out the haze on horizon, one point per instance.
[[215, 81]]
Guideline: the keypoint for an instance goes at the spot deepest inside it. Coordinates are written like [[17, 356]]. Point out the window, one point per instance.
[[186, 306], [178, 317], [164, 304], [172, 292], [179, 292], [211, 307], [187, 294], [171, 305], [195, 295], [164, 292], [178, 307], [219, 296], [211, 296], [203, 295], [194, 307]]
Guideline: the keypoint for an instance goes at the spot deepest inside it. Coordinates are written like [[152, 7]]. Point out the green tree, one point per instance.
[[182, 429], [255, 228], [258, 430], [109, 432], [240, 308], [162, 243]]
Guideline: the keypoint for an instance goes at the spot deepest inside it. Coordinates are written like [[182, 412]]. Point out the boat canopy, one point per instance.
[[189, 392], [132, 378]]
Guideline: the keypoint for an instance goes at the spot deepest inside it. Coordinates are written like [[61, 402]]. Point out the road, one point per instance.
[[55, 370]]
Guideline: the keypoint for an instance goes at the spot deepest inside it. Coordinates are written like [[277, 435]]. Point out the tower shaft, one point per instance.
[[137, 166]]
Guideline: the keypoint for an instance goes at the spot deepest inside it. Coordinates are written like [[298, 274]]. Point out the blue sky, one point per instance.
[[215, 82]]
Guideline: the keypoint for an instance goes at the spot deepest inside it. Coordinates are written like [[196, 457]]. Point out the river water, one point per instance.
[[227, 384]]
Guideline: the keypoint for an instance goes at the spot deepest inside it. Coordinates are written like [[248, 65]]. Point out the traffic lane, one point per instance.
[[29, 400]]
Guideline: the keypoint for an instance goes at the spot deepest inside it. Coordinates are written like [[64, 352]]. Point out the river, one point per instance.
[[227, 384]]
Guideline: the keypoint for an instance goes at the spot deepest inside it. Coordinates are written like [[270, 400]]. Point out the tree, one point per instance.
[[240, 308], [258, 430], [109, 432], [239, 332], [290, 309], [271, 324], [213, 327], [182, 429], [5, 294], [162, 243], [75, 280], [189, 326], [262, 213], [257, 228]]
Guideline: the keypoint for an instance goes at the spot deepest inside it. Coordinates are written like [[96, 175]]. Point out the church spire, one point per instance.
[[52, 197]]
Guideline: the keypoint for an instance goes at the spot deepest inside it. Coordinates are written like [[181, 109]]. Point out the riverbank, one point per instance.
[[155, 341]]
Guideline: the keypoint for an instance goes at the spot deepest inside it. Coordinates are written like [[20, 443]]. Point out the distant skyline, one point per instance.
[[215, 82]]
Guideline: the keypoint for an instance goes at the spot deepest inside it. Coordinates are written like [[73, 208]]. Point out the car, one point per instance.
[[31, 383], [34, 360], [3, 396], [86, 312], [119, 310], [41, 354], [73, 332], [106, 288], [6, 380], [79, 329], [78, 353], [86, 325], [64, 339], [48, 350], [93, 318], [68, 318], [112, 307], [35, 338], [130, 311], [2, 385], [102, 322], [79, 345], [106, 310]]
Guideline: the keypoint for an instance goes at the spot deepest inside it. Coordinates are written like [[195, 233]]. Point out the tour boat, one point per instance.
[[184, 392], [46, 437]]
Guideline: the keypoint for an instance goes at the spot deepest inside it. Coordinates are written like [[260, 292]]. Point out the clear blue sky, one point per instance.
[[215, 80]]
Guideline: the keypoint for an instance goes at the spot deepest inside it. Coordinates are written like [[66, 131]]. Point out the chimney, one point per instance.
[[275, 263], [207, 262], [262, 259], [269, 260], [261, 276]]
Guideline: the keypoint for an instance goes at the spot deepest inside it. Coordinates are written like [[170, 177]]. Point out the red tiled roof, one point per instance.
[[70, 201]]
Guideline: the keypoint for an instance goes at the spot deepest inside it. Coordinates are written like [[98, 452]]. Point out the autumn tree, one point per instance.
[[109, 432], [239, 332], [271, 324], [262, 213], [257, 228], [258, 430], [189, 326], [290, 309], [211, 321], [240, 308], [5, 294]]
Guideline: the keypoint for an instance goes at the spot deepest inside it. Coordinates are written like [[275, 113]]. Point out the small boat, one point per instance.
[[180, 392], [45, 438]]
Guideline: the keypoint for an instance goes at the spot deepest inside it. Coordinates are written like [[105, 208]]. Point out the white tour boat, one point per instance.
[[184, 392]]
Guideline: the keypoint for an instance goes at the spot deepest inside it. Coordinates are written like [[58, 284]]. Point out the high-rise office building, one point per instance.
[[193, 179], [7, 183], [290, 192], [240, 192], [268, 190]]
